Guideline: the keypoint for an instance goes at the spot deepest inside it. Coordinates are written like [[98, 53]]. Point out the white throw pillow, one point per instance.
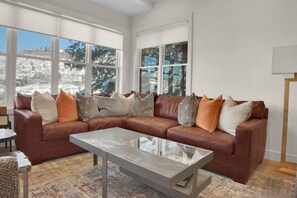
[[126, 102], [232, 115], [45, 105]]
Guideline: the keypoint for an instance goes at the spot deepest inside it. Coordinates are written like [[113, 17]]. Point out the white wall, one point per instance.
[[232, 53]]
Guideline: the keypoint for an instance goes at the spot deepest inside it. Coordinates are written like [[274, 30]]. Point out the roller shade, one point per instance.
[[161, 36], [54, 25], [25, 19], [81, 32]]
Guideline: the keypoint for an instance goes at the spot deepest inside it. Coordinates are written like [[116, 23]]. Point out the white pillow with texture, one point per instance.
[[45, 105], [232, 115], [126, 102]]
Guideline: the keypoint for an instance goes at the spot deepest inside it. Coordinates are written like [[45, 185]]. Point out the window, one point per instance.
[[174, 69], [173, 66], [74, 62], [72, 66], [33, 64], [104, 69], [149, 70], [2, 64]]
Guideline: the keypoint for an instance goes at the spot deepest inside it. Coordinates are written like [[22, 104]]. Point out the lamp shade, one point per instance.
[[284, 60]]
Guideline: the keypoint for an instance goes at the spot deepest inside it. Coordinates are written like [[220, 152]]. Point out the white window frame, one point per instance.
[[5, 54], [160, 68]]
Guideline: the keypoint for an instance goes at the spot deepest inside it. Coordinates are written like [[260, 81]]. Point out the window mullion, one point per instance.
[[55, 65], [89, 67], [11, 67], [119, 71], [160, 70]]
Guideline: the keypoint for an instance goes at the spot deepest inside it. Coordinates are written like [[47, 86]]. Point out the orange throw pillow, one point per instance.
[[66, 105], [208, 113]]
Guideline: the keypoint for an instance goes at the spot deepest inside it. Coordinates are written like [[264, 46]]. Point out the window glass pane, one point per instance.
[[2, 39], [148, 80], [176, 53], [103, 80], [34, 44], [71, 50], [72, 77], [150, 56], [103, 55], [2, 78], [32, 74], [174, 80]]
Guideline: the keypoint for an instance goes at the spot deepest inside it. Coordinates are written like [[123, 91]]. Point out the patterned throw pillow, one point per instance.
[[142, 106], [86, 107], [126, 102], [208, 113], [109, 106], [187, 110], [67, 110], [45, 105], [232, 115]]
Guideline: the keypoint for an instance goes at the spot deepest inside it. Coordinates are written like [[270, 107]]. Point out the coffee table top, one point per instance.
[[6, 135], [151, 157]]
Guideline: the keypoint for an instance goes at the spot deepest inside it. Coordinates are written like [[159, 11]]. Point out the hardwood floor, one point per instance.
[[268, 167], [271, 168]]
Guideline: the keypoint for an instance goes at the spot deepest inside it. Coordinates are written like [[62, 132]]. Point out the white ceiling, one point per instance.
[[127, 7]]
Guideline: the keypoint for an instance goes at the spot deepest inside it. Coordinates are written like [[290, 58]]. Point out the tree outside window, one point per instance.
[[103, 63], [174, 67]]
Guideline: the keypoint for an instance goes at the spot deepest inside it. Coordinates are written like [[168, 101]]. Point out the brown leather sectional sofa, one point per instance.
[[235, 157]]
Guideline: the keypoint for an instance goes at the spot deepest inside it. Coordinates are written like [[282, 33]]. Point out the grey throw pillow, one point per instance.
[[126, 102], [109, 106], [86, 107], [187, 110], [142, 106]]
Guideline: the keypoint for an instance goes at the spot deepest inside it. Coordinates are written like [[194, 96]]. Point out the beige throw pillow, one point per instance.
[[126, 102], [232, 115], [86, 107], [45, 105], [142, 106]]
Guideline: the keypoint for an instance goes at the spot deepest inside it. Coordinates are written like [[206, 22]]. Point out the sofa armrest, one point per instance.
[[28, 127], [250, 142]]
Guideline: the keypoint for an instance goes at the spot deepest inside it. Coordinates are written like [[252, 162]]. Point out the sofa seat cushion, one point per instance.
[[105, 122], [62, 130], [154, 126], [216, 141]]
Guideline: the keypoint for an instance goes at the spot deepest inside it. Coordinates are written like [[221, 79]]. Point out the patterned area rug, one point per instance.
[[74, 176]]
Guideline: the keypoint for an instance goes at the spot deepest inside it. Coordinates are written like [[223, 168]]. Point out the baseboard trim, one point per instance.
[[276, 156]]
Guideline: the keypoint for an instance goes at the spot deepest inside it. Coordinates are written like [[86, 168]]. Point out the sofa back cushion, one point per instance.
[[23, 101], [167, 106], [259, 110]]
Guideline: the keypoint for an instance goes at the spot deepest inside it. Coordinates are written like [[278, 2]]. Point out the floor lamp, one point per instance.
[[284, 61]]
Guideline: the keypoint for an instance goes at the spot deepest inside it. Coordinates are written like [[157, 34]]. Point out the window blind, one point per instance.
[[25, 19], [162, 36], [81, 32], [46, 23]]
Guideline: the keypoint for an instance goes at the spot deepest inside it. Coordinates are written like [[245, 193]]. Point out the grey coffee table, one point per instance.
[[157, 162]]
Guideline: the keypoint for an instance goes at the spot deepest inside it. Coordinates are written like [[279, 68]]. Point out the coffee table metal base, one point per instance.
[[202, 181]]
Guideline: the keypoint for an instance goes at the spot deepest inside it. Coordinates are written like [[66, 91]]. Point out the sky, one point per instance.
[[29, 40]]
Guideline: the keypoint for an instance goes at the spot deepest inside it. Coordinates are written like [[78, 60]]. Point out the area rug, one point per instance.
[[74, 176]]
